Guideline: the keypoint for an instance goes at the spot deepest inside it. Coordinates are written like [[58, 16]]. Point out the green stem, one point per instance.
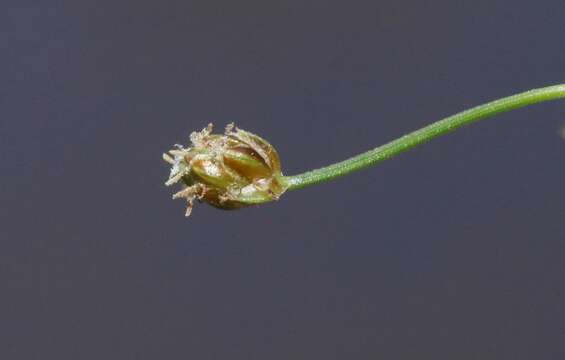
[[423, 135]]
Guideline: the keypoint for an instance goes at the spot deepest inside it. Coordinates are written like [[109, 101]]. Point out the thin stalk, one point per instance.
[[422, 136]]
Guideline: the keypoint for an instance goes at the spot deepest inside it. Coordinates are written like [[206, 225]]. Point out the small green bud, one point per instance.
[[227, 171]]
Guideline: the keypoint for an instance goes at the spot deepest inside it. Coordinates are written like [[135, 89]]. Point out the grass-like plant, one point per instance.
[[239, 169]]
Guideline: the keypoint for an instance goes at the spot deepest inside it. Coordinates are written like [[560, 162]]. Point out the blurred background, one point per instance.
[[455, 250]]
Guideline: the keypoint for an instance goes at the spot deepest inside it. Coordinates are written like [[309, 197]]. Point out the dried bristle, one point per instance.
[[168, 159]]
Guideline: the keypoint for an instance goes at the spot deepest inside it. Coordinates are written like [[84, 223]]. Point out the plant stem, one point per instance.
[[422, 136]]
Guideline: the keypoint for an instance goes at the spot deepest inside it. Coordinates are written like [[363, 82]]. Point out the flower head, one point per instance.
[[227, 171]]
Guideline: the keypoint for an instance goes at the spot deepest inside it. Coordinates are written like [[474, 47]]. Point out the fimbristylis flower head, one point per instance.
[[227, 171]]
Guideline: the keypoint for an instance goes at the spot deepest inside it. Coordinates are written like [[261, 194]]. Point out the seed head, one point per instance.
[[227, 171]]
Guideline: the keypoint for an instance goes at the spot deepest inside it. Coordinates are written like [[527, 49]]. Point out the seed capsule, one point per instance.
[[227, 171]]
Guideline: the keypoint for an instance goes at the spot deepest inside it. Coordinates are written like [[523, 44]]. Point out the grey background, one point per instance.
[[455, 250]]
